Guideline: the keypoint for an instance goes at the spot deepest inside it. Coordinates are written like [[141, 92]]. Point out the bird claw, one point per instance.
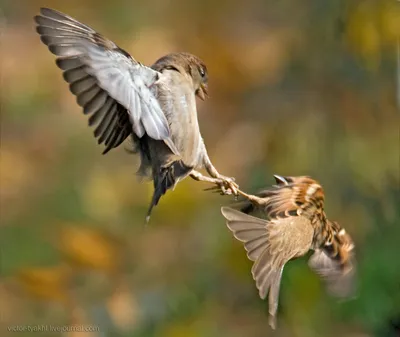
[[229, 186], [224, 186]]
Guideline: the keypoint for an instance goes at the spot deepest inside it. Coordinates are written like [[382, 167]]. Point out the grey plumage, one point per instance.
[[154, 105]]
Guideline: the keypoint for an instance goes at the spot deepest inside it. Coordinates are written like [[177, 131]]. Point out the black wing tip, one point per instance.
[[46, 11], [45, 40], [52, 14], [60, 63], [36, 18], [110, 147]]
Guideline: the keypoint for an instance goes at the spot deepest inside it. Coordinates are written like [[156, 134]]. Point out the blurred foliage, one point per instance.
[[297, 87]]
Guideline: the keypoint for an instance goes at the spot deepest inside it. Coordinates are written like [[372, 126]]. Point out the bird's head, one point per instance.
[[190, 65]]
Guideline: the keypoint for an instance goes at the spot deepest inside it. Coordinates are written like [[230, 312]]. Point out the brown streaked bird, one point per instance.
[[296, 223], [154, 106]]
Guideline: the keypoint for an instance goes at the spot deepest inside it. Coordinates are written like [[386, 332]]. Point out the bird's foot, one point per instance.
[[231, 187], [225, 186]]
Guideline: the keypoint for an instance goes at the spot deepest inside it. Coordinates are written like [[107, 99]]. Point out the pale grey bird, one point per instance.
[[155, 106]]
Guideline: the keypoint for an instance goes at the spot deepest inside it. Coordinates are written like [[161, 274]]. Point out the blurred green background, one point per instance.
[[297, 88]]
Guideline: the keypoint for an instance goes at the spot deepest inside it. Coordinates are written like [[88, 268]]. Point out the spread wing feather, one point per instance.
[[270, 244], [112, 87]]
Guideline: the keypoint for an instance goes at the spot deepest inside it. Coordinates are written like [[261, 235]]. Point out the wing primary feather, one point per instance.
[[98, 70], [270, 244]]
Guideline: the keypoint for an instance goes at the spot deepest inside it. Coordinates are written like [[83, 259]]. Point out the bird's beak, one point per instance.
[[280, 180], [202, 92]]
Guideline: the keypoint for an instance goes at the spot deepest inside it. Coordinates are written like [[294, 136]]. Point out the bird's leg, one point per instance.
[[252, 198], [227, 184], [196, 175], [200, 177]]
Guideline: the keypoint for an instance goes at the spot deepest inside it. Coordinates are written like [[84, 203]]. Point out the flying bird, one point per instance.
[[155, 106], [295, 223]]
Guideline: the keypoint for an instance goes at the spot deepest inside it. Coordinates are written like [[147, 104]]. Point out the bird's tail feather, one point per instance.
[[166, 178]]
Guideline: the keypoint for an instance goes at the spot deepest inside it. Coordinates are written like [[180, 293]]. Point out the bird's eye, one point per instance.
[[202, 72]]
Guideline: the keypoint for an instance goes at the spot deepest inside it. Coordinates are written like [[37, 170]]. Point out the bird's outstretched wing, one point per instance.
[[112, 87], [270, 244], [339, 282], [335, 262]]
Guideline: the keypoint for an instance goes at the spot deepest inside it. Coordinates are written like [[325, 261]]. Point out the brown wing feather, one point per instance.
[[289, 197], [339, 281], [280, 240], [335, 261], [250, 230], [297, 196]]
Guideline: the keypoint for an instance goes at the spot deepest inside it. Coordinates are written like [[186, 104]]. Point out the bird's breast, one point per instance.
[[184, 102], [185, 129], [178, 102]]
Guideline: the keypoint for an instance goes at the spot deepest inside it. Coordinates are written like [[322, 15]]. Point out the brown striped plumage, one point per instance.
[[296, 222]]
